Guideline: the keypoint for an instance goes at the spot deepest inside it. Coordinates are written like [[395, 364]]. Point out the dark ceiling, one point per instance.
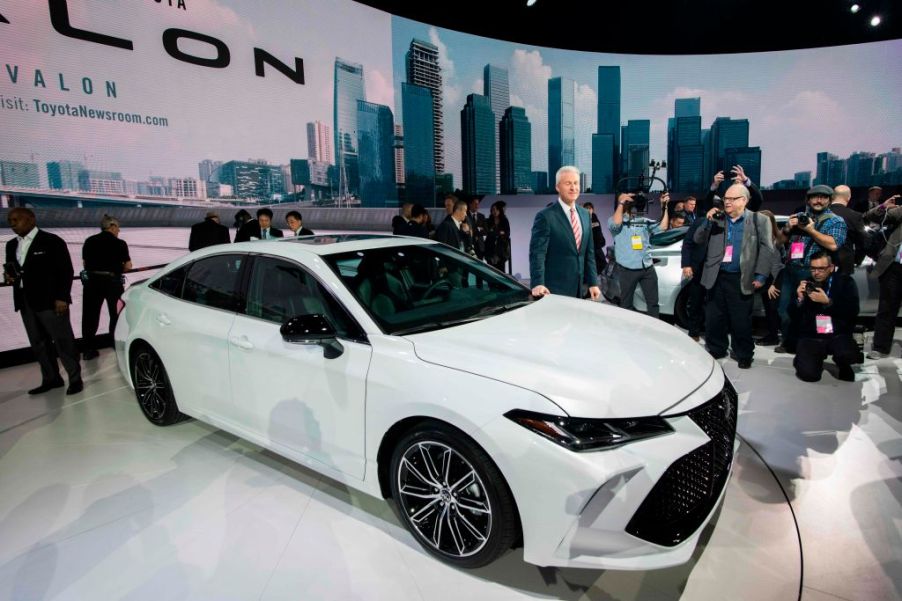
[[654, 27]]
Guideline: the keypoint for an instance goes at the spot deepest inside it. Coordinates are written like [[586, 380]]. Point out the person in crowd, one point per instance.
[[454, 230], [875, 193], [598, 241], [828, 306], [689, 209], [734, 175], [851, 253], [450, 201], [561, 255], [677, 219], [416, 227], [430, 227], [241, 217], [770, 292], [678, 206], [296, 224], [740, 252], [477, 223], [498, 237], [818, 229], [208, 232], [889, 274], [399, 221], [691, 261], [105, 258], [632, 252], [39, 268], [259, 228]]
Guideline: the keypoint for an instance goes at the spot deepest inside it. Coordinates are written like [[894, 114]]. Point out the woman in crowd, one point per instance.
[[497, 239], [771, 289]]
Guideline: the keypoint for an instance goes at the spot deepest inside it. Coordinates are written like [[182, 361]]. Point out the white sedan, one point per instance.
[[593, 436]]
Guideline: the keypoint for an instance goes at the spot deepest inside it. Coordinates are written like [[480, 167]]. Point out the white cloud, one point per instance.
[[477, 87], [529, 77], [379, 88]]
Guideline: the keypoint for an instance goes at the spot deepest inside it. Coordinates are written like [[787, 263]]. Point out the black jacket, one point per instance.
[[843, 309], [251, 229], [46, 276], [207, 233], [852, 253], [693, 254], [448, 233]]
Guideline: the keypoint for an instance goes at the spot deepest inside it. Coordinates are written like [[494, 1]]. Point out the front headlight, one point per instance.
[[578, 434]]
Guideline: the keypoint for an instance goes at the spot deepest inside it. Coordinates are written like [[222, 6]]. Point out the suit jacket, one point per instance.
[[207, 233], [890, 219], [693, 254], [448, 233], [756, 254], [414, 229], [251, 229], [554, 261], [46, 274]]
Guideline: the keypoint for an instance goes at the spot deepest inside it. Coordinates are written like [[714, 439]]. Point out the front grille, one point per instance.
[[688, 490]]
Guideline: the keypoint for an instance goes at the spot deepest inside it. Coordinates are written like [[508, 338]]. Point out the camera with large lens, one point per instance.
[[803, 218]]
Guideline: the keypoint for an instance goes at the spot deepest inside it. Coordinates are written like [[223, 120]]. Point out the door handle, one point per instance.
[[163, 320], [241, 342]]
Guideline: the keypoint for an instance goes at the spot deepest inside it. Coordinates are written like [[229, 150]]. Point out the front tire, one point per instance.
[[452, 497], [152, 388]]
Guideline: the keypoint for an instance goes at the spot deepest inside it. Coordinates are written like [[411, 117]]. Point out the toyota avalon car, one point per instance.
[[592, 436]]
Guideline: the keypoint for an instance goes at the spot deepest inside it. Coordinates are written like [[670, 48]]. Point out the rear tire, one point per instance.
[[681, 308], [152, 388]]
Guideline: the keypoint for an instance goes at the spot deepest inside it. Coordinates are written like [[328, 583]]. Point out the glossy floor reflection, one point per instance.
[[96, 503]]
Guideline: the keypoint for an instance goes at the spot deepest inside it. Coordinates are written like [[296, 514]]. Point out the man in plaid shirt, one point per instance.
[[824, 231]]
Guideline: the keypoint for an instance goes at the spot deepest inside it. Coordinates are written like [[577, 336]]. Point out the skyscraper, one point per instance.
[[349, 88], [605, 175], [477, 141], [635, 148], [423, 70], [688, 137], [516, 151], [375, 148], [399, 154], [561, 124], [496, 88], [63, 175], [15, 173], [252, 180], [319, 142], [726, 133], [419, 156]]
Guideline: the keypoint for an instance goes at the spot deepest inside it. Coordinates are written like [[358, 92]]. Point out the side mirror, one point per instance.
[[312, 329]]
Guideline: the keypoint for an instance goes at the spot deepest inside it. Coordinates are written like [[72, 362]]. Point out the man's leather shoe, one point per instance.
[[47, 386], [75, 387], [90, 354], [744, 363]]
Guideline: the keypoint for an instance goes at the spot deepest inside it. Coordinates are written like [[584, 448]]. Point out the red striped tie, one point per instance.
[[577, 228]]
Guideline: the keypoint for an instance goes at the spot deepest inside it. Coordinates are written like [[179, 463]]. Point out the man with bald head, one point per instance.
[[740, 250], [39, 268], [851, 253]]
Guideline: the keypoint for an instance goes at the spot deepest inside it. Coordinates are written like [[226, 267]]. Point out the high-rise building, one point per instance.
[[516, 151], [375, 147], [208, 171], [635, 148], [319, 142], [22, 175], [802, 179], [106, 182], [540, 182], [423, 70], [561, 123], [685, 173], [748, 157], [444, 184], [252, 180], [187, 187], [399, 154], [727, 133], [349, 88], [860, 167], [497, 89], [603, 161], [605, 175], [419, 144], [63, 175], [477, 141]]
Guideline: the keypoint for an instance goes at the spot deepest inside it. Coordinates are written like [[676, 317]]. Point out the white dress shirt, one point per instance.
[[24, 245]]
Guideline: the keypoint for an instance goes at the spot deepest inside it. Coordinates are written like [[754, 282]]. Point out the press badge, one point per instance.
[[823, 324], [728, 254], [797, 250], [637, 242]]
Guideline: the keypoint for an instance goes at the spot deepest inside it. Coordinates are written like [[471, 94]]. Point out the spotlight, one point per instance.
[[530, 2], [875, 21], [855, 8]]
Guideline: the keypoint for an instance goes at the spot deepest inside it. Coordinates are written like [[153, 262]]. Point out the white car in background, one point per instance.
[[597, 437], [666, 252]]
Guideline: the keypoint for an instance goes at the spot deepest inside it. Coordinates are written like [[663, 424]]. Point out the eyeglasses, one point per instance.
[[733, 198], [826, 268]]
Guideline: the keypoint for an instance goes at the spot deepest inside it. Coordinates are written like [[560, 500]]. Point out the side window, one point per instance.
[[171, 283], [213, 281], [280, 289]]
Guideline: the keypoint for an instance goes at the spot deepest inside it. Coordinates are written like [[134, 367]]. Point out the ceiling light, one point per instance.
[[855, 8], [875, 20], [530, 2]]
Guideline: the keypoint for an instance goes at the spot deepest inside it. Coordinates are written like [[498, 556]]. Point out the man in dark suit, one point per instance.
[[416, 227], [561, 254], [208, 232], [400, 220], [692, 259], [39, 267], [477, 224], [296, 224], [851, 253], [454, 230], [259, 228]]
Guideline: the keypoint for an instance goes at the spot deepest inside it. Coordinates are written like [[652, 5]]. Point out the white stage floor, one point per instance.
[[96, 503]]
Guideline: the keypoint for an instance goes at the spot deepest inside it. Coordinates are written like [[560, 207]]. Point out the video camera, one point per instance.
[[640, 187]]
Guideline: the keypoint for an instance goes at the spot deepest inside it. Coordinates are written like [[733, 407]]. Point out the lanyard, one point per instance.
[[829, 285]]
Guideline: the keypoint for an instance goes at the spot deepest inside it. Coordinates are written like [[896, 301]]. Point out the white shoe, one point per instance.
[[877, 355]]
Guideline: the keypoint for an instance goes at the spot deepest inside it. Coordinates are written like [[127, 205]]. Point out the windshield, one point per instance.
[[408, 289]]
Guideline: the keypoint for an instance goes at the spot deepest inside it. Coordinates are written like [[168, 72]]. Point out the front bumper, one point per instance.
[[641, 506]]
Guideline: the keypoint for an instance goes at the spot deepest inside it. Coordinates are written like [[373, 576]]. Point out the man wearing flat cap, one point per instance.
[[816, 230], [208, 232]]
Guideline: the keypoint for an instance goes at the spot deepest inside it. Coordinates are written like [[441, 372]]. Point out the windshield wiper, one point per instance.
[[499, 309], [435, 325]]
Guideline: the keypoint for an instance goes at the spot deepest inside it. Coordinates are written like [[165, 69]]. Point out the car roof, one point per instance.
[[330, 244]]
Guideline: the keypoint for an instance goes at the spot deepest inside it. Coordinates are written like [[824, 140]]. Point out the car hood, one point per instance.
[[592, 360]]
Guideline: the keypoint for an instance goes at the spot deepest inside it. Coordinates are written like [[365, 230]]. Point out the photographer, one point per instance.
[[739, 256], [827, 307], [889, 273], [632, 251], [734, 175], [818, 229]]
